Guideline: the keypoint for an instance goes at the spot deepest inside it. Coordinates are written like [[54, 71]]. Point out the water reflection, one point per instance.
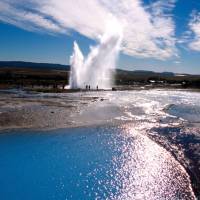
[[115, 163], [134, 167], [144, 170]]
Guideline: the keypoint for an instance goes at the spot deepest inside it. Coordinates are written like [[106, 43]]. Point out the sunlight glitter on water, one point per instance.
[[147, 171], [115, 163]]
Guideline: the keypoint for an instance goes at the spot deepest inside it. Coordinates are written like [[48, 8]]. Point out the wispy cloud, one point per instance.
[[149, 31], [194, 26], [177, 62], [26, 19]]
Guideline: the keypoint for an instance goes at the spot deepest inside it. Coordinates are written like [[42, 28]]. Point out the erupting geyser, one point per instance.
[[76, 62], [97, 68]]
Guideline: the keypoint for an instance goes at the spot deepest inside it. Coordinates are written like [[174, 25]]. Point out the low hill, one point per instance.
[[26, 74], [46, 74], [31, 65]]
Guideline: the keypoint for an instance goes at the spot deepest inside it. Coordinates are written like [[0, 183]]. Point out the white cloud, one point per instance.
[[25, 19], [148, 31], [177, 62], [195, 30]]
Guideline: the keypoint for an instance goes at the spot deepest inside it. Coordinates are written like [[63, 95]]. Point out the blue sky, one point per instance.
[[157, 35]]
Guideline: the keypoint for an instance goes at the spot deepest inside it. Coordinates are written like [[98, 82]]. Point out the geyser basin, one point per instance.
[[88, 163]]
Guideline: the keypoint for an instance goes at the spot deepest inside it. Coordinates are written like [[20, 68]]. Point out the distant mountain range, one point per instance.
[[50, 66], [29, 73], [32, 65], [145, 73]]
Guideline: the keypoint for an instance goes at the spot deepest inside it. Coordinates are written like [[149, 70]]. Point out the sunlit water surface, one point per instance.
[[88, 163], [111, 156]]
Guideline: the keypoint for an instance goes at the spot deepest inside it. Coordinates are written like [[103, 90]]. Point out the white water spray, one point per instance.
[[76, 62], [96, 69]]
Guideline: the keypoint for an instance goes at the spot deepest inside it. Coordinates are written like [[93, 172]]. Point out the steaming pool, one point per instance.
[[125, 145]]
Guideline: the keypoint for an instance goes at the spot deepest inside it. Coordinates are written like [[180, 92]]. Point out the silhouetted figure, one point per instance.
[[89, 87], [86, 87], [97, 87], [114, 89]]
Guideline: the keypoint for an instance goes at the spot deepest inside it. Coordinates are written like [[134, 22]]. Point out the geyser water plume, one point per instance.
[[97, 68], [76, 62]]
